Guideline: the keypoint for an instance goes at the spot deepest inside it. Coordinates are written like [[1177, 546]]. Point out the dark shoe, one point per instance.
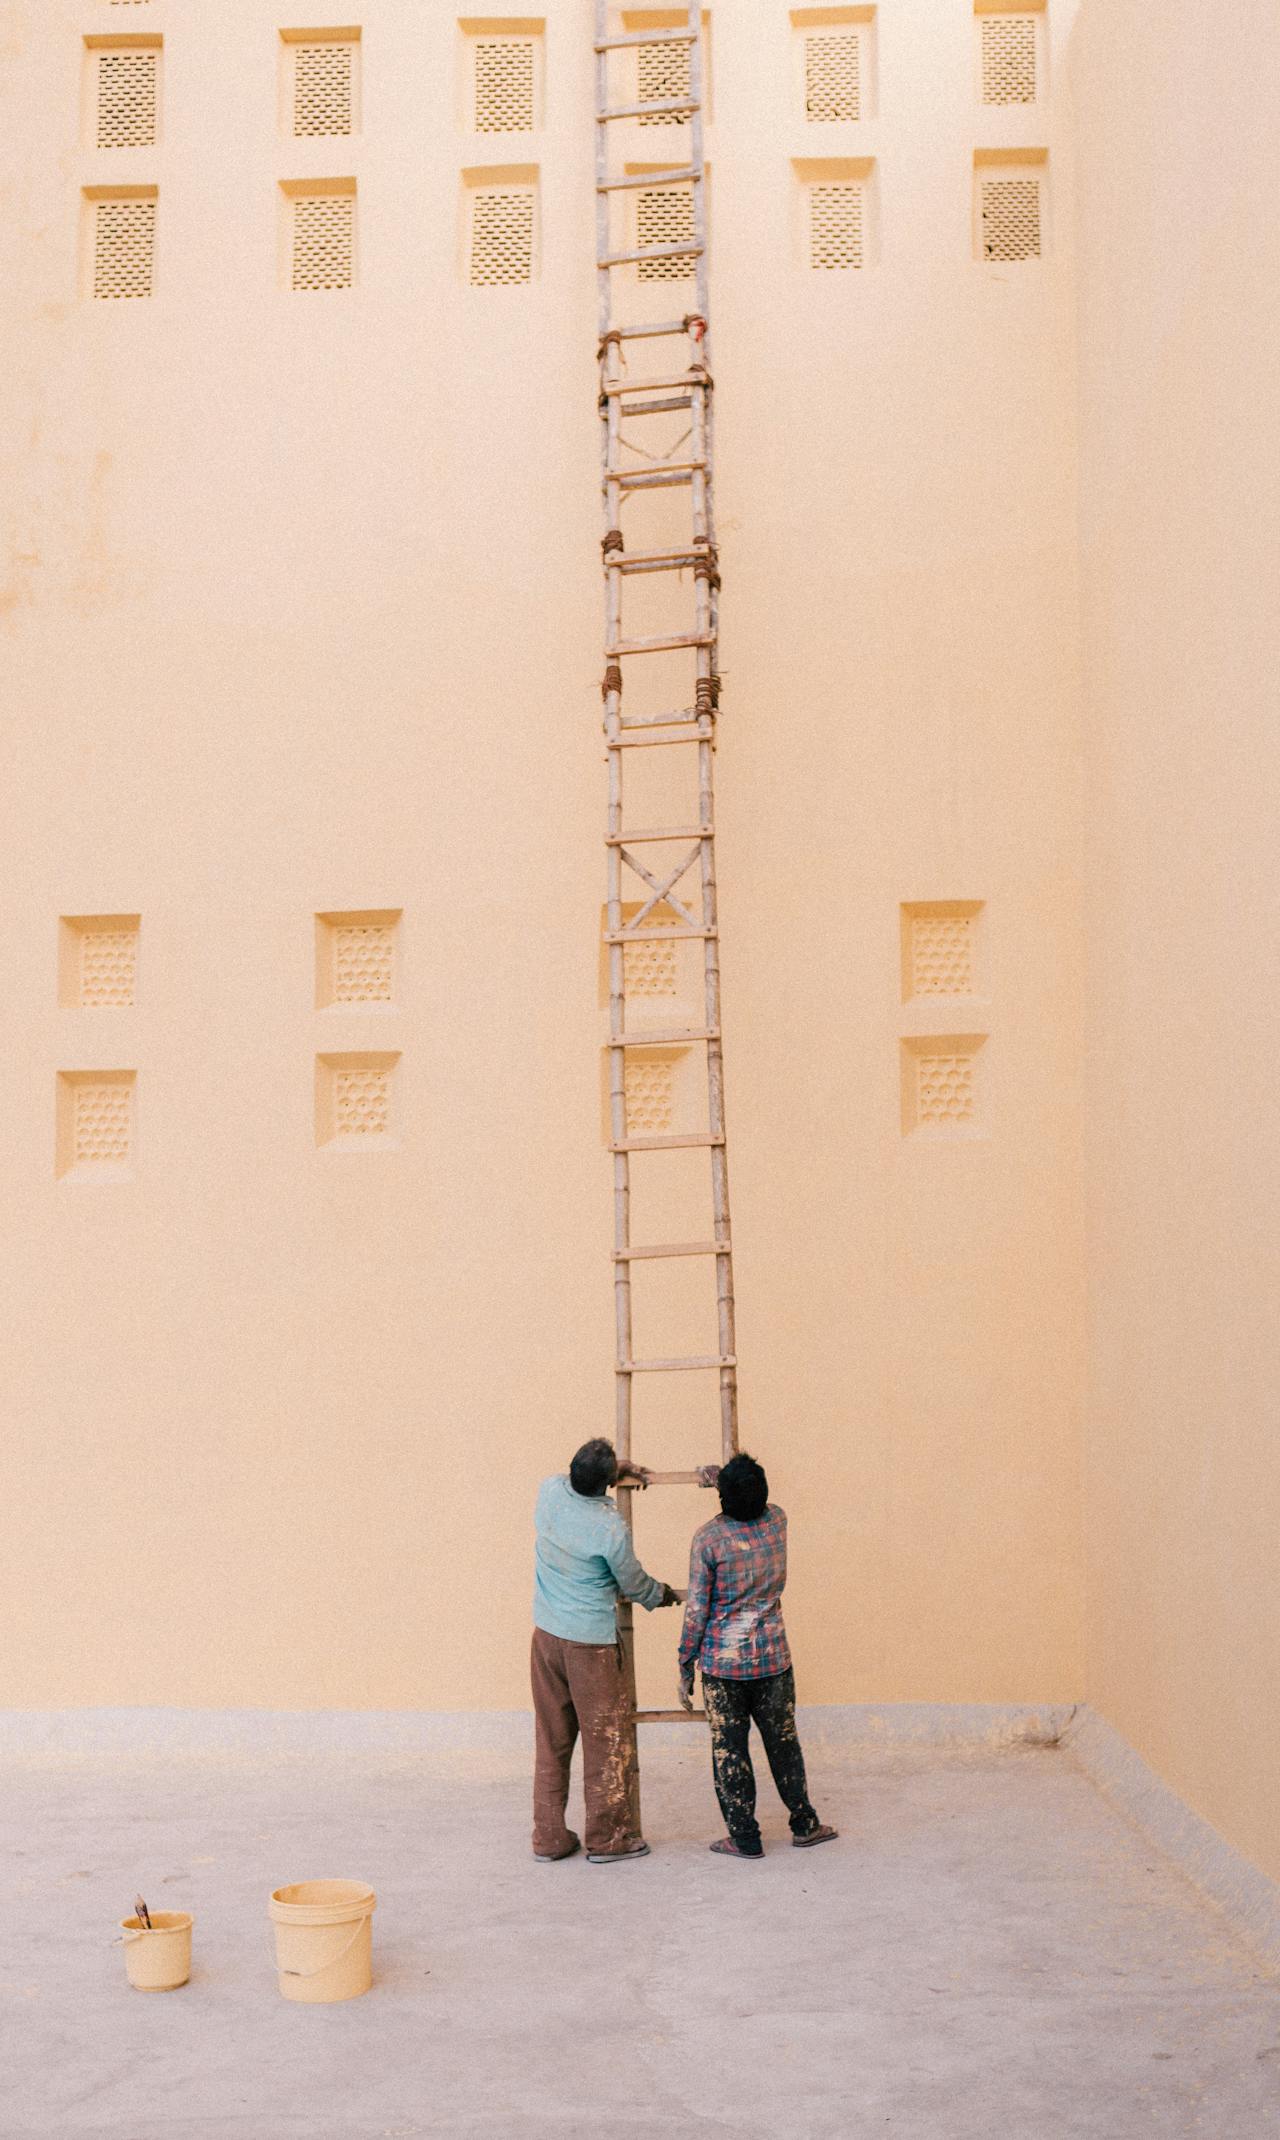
[[727, 1848], [553, 1857], [637, 1849], [819, 1835]]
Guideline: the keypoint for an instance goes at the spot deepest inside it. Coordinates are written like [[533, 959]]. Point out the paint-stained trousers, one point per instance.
[[578, 1687], [731, 1704]]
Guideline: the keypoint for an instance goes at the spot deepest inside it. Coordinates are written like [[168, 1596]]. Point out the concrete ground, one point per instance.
[[989, 1953]]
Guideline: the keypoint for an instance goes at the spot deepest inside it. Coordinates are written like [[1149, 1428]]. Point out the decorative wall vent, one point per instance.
[[663, 75], [1008, 58], [356, 958], [836, 225], [940, 948], [650, 969], [664, 216], [355, 1100], [502, 235], [98, 961], [124, 243], [127, 98], [1010, 217], [324, 87], [650, 1093], [95, 1126], [323, 238], [504, 85], [941, 1083], [833, 75]]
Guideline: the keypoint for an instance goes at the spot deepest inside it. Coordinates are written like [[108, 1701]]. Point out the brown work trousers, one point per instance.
[[579, 1687]]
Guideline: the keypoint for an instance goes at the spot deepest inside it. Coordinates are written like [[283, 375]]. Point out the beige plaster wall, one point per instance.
[[302, 604], [1180, 260]]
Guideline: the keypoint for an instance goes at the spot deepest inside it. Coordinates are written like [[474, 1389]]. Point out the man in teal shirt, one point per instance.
[[584, 1562]]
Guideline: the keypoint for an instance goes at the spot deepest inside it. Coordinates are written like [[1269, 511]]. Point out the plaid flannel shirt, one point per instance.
[[733, 1619]]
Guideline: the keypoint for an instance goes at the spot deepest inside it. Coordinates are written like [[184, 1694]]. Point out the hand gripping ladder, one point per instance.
[[671, 865]]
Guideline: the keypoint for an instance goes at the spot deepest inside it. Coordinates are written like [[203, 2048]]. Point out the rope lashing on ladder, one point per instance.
[[706, 564], [613, 541], [706, 695], [612, 679], [695, 324], [614, 335]]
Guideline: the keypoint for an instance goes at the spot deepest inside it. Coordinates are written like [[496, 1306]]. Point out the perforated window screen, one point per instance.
[[324, 229], [833, 76], [1011, 223], [127, 99], [362, 1102], [1008, 59], [664, 72], [124, 244], [503, 85], [108, 967], [836, 226], [945, 1089], [649, 1084], [323, 87], [103, 1122], [941, 955], [363, 963], [649, 969], [664, 216], [502, 224]]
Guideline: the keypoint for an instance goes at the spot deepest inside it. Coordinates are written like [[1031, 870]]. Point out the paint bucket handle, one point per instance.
[[330, 1963]]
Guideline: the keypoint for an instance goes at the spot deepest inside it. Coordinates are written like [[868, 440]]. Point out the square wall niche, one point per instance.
[[98, 961], [942, 949], [318, 244], [660, 73], [319, 83], [837, 214], [95, 1125], [357, 1102], [834, 64], [1011, 53], [499, 225], [122, 91], [503, 79], [660, 1089], [1010, 205], [944, 1085], [358, 959]]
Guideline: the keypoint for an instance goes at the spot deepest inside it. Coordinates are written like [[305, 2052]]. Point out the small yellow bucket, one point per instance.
[[324, 1939], [159, 1959]]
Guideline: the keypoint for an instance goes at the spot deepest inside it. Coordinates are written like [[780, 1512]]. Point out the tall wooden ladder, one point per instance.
[[670, 866]]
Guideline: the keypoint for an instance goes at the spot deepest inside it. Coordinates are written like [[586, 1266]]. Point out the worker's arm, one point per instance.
[[632, 1582]]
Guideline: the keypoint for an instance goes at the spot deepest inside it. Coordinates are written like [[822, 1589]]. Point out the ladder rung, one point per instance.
[[676, 481], [656, 936], [647, 37], [646, 330], [679, 177], [675, 1367], [638, 386], [688, 251], [665, 1036], [668, 468], [668, 1144], [673, 1248], [652, 560], [666, 1478], [662, 406], [684, 717], [645, 839], [668, 645], [696, 735], [671, 1716], [637, 111]]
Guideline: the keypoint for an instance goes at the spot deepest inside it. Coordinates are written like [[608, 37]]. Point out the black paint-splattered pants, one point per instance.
[[731, 1705]]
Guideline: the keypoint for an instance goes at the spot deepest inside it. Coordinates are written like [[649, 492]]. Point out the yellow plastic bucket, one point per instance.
[[158, 1960], [324, 1939]]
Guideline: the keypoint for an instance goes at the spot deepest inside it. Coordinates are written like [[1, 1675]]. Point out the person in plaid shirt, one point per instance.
[[733, 1629]]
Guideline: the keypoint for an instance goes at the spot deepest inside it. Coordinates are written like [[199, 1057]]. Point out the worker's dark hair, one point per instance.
[[594, 1469], [744, 1489]]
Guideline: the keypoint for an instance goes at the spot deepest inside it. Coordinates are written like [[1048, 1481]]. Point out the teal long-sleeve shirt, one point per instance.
[[583, 1562]]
